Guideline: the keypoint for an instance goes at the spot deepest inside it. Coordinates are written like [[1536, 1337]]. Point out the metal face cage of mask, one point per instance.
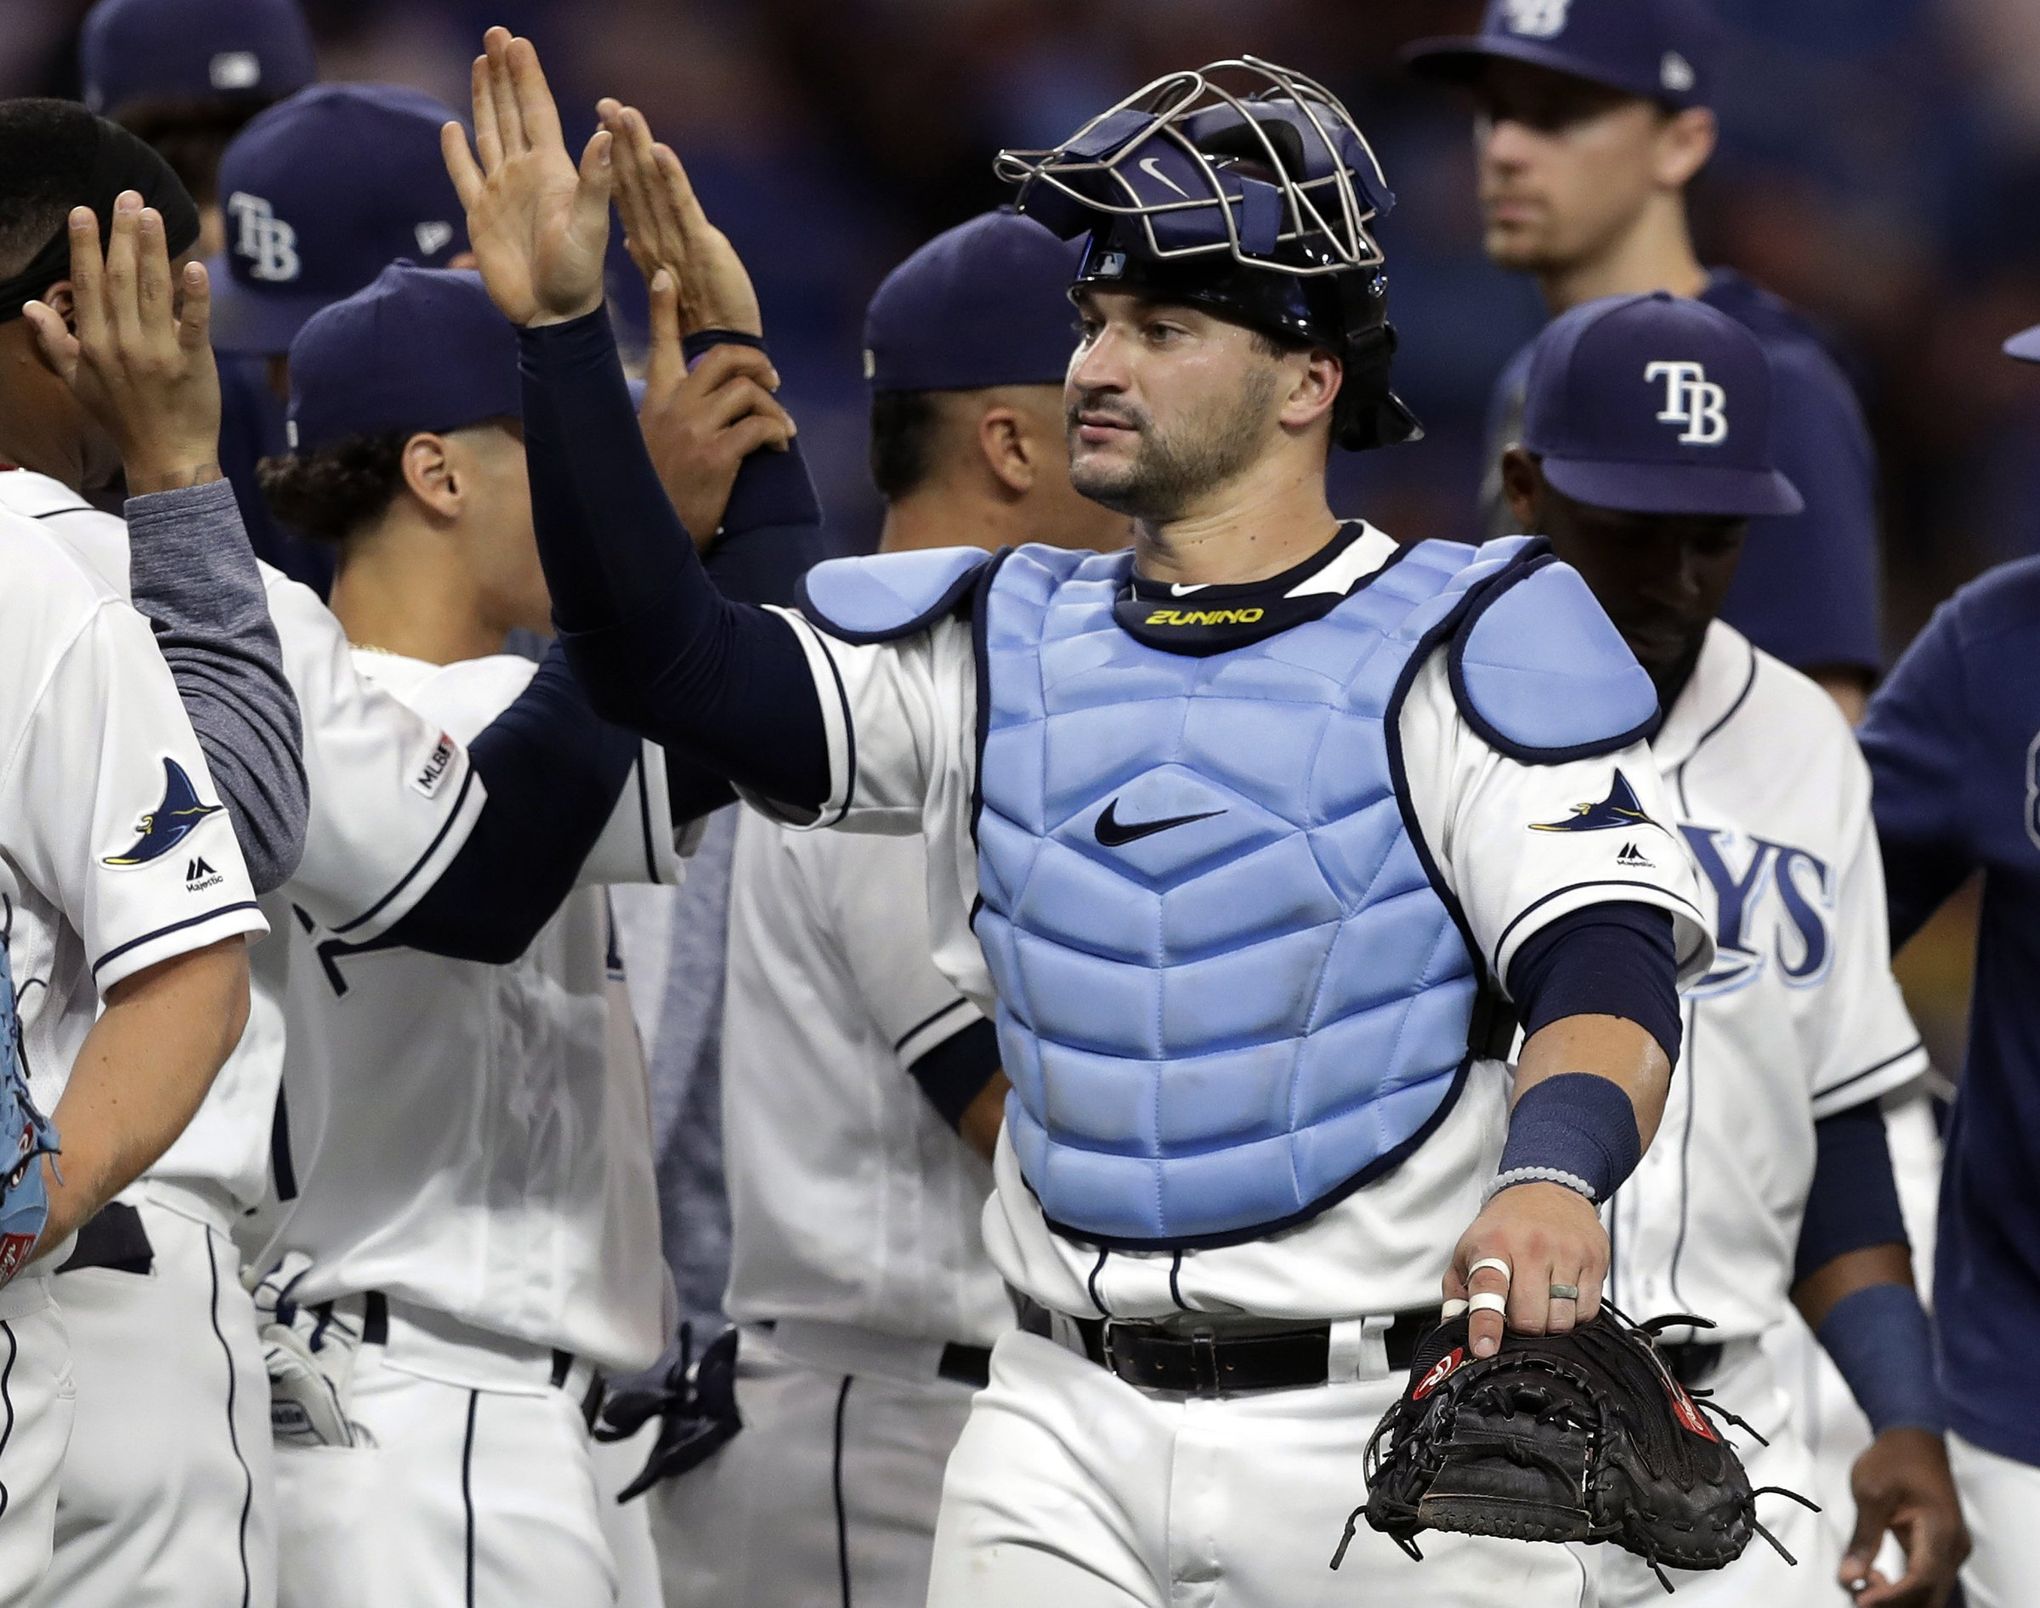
[[1256, 203]]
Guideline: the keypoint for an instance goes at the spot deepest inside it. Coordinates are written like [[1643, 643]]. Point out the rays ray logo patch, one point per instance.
[[1621, 808], [170, 822]]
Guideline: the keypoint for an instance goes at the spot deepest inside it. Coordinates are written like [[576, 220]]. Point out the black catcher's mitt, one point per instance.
[[1583, 1436]]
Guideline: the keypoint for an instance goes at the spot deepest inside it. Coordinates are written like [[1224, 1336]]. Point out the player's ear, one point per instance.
[[1010, 453], [1522, 479], [61, 300], [1314, 383], [1685, 143], [431, 476]]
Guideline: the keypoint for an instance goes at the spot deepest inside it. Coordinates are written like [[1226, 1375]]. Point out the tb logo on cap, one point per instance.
[[1536, 19], [1692, 401], [265, 241]]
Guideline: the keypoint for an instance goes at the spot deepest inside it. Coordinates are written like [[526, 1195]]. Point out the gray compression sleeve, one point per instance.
[[192, 573]]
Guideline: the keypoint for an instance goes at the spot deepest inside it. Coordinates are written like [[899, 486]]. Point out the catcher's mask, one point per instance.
[[1254, 201]]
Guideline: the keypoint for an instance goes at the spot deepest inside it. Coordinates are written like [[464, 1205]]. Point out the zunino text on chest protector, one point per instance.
[[1230, 985]]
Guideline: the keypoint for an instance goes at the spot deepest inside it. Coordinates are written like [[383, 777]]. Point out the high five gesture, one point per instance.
[[539, 225]]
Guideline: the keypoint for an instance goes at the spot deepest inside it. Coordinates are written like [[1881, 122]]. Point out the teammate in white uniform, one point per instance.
[[123, 894], [861, 1091], [1157, 1032], [1644, 455], [468, 1230]]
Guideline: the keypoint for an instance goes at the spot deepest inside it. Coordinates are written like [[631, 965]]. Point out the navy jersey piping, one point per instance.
[[432, 848], [176, 926]]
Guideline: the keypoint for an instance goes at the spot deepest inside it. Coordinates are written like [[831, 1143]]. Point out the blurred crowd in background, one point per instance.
[[1878, 162]]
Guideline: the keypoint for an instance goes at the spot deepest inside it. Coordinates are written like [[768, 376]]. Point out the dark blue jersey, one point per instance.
[[1806, 590], [1954, 744]]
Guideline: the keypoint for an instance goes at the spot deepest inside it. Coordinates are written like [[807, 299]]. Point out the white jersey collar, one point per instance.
[[1719, 684]]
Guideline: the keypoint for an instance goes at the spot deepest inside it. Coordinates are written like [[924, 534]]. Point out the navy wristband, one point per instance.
[[1575, 1129], [1882, 1344]]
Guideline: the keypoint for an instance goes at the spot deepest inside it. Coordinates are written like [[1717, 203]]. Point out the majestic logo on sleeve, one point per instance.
[[1692, 401], [1621, 808], [170, 822], [1774, 905]]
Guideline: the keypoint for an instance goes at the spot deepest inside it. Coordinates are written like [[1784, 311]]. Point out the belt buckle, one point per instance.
[[1204, 1362]]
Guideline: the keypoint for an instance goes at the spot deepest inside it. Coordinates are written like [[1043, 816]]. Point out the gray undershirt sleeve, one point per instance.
[[192, 573]]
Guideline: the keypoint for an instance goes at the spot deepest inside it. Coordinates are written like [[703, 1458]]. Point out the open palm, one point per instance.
[[538, 225]]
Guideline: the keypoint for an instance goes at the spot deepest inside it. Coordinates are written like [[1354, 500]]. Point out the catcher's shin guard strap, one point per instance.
[[1878, 1337], [1575, 1129]]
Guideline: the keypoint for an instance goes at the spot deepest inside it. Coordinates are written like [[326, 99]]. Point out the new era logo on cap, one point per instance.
[[433, 237], [234, 69], [1536, 19], [1676, 73], [263, 240], [1692, 401]]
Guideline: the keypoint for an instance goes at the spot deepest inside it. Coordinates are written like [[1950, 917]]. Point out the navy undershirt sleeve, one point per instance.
[[1853, 1201], [955, 1072], [553, 771], [1606, 960], [658, 648]]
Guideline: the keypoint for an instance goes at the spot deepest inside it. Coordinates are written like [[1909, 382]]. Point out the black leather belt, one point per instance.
[[1693, 1362], [112, 1237], [966, 1365], [1202, 1363]]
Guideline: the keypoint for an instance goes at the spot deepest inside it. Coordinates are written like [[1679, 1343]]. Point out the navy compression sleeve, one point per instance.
[[553, 773], [1606, 960], [657, 647], [1852, 1203]]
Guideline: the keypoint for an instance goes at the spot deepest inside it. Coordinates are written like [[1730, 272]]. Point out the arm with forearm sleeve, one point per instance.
[[192, 573], [657, 647]]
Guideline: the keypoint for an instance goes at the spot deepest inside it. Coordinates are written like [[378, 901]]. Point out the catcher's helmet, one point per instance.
[[1255, 203]]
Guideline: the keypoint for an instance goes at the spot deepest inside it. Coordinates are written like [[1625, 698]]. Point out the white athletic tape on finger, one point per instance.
[[1494, 1262], [1488, 1302], [1450, 1310]]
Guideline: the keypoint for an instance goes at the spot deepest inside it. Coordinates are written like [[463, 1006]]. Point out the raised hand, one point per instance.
[[700, 426], [140, 361], [665, 227], [538, 224]]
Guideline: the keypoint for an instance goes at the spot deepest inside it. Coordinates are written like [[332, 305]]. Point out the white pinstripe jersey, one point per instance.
[[1799, 1017]]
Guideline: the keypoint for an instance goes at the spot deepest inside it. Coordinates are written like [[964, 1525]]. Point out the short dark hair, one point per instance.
[[47, 152], [337, 491], [903, 425], [191, 135]]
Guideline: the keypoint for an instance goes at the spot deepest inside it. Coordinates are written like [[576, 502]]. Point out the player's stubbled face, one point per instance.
[[1661, 578], [1565, 165], [1164, 404]]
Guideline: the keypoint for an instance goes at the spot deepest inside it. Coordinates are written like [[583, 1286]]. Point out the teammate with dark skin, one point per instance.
[[1661, 579]]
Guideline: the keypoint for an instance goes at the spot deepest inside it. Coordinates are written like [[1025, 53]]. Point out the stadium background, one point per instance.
[[1880, 167]]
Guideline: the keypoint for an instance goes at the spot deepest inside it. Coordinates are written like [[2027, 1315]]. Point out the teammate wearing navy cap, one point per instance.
[[1951, 737], [1645, 456], [322, 192], [861, 1091], [1210, 832], [187, 75], [1593, 119]]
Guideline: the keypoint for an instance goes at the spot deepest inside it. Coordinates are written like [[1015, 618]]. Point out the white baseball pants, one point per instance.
[[167, 1494], [37, 1400], [1072, 1489], [2001, 1501]]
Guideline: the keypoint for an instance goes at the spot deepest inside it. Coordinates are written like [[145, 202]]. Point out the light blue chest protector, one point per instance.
[[1231, 985]]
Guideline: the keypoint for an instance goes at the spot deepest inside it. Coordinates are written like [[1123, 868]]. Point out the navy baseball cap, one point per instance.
[[1655, 405], [2025, 345], [322, 192], [203, 50], [986, 303], [419, 349], [1657, 50]]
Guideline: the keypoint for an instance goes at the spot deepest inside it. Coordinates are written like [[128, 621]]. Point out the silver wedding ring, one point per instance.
[[1565, 1292]]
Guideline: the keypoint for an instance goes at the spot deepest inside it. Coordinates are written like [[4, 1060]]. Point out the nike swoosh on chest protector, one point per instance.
[[1114, 833]]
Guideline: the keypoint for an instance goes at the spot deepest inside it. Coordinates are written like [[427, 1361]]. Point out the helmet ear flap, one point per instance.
[[1368, 413]]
